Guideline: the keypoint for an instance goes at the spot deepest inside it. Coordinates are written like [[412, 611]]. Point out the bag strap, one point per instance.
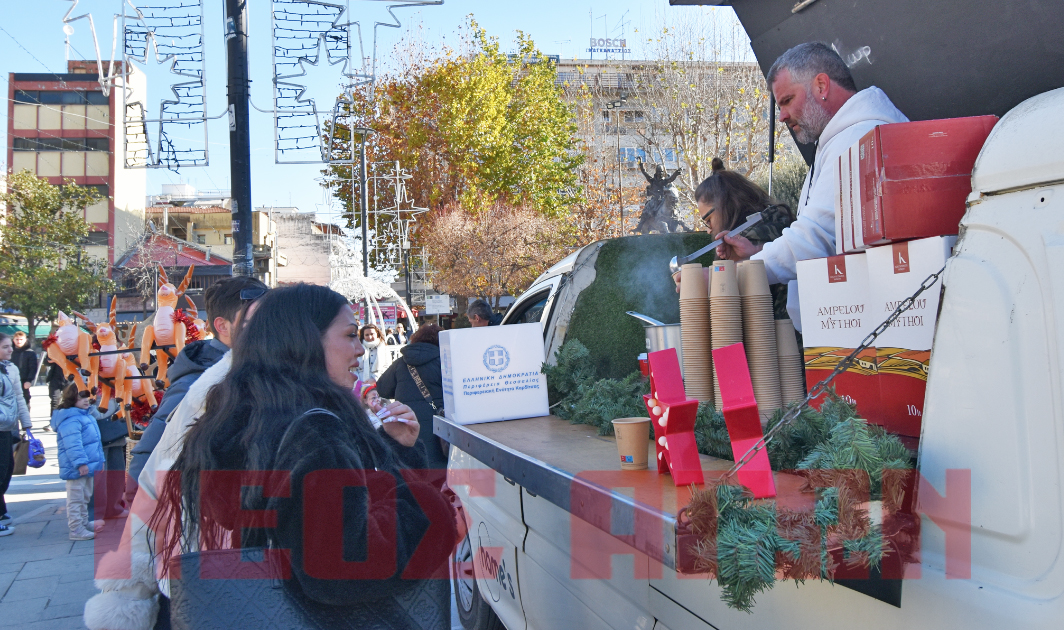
[[421, 387]]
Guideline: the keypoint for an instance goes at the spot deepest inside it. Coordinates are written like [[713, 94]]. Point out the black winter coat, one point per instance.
[[26, 361], [397, 383], [405, 514]]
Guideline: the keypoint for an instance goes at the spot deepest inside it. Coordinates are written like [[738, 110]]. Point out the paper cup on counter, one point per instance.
[[791, 363], [723, 281], [752, 278], [693, 282], [633, 442], [786, 338]]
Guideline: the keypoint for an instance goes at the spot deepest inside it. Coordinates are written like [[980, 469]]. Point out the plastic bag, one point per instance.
[[36, 452]]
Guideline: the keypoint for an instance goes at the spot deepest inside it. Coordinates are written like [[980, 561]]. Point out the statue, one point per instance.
[[662, 198]]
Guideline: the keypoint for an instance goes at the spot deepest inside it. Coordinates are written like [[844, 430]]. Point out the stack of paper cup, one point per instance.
[[725, 313], [791, 361], [759, 337], [694, 333]]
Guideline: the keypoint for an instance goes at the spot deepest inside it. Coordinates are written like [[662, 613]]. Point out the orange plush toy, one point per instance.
[[67, 342], [107, 369], [137, 391], [168, 329]]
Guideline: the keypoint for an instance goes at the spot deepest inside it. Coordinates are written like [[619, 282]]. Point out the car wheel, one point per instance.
[[473, 611]]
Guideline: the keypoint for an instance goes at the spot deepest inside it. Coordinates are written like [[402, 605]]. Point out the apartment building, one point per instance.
[[63, 126], [204, 219]]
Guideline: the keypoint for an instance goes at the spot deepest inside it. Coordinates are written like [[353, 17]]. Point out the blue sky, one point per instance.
[[34, 42]]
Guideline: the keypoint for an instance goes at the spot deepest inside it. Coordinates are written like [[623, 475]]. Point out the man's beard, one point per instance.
[[812, 121]]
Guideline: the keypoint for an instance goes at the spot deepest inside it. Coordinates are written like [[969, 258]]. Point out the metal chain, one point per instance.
[[843, 365]]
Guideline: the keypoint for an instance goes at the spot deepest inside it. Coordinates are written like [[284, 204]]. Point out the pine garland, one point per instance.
[[743, 542], [579, 396]]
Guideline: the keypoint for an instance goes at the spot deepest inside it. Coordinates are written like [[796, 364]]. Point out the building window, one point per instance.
[[58, 97], [100, 188], [61, 144], [95, 238], [201, 239], [606, 115], [630, 155], [633, 117], [228, 239]]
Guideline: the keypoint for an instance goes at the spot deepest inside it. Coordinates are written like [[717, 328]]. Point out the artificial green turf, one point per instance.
[[632, 274]]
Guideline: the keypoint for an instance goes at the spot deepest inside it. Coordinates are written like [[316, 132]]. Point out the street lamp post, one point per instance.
[[616, 105]]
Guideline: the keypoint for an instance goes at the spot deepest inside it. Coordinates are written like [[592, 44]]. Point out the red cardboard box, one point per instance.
[[914, 178]]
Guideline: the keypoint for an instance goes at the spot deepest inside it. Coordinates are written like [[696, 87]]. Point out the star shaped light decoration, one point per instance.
[[304, 30], [163, 33]]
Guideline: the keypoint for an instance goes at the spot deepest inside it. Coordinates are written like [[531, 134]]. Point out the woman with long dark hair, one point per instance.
[[286, 405], [725, 199]]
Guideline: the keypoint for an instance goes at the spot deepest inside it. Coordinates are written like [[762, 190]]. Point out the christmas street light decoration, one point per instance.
[[167, 33], [309, 36]]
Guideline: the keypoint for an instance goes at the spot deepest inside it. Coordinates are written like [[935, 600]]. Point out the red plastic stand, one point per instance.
[[674, 421], [740, 414]]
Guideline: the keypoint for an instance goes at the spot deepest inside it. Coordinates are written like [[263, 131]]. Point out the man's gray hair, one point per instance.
[[805, 61], [480, 308]]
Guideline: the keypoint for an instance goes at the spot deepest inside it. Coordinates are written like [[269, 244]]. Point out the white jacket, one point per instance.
[[133, 603], [377, 359], [813, 234]]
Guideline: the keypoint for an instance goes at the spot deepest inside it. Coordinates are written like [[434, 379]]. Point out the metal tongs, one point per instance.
[[677, 262]]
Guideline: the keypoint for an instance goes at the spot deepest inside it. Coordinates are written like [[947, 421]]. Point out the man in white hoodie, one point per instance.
[[819, 101]]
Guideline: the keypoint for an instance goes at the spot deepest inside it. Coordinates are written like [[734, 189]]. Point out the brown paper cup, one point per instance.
[[692, 282], [788, 343], [723, 281], [633, 441], [752, 278]]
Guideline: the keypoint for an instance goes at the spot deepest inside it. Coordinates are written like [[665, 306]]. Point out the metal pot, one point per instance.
[[660, 336]]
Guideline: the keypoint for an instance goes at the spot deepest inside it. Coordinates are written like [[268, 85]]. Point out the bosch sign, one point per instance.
[[609, 45]]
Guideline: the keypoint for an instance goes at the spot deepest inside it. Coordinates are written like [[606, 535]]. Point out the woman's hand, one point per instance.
[[736, 247], [401, 423]]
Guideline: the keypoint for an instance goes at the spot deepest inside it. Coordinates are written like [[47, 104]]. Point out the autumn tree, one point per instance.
[[707, 98], [471, 123], [43, 264], [497, 250]]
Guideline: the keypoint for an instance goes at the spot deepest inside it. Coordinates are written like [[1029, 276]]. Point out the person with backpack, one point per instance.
[[13, 411], [80, 457]]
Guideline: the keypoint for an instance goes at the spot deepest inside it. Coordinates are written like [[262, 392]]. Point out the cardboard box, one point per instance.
[[911, 180], [493, 373], [835, 319], [846, 198], [903, 351]]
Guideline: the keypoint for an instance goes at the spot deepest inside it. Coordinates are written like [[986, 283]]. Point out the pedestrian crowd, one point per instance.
[[288, 381]]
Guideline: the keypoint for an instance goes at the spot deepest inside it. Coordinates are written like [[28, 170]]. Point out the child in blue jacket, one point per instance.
[[80, 457]]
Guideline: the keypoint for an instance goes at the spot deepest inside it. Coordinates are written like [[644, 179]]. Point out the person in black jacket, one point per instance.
[[349, 511], [423, 354], [223, 301], [26, 360]]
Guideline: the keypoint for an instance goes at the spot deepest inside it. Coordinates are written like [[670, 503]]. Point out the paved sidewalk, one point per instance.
[[45, 578]]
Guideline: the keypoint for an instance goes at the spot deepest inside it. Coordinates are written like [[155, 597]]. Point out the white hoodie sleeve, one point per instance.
[[812, 235]]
